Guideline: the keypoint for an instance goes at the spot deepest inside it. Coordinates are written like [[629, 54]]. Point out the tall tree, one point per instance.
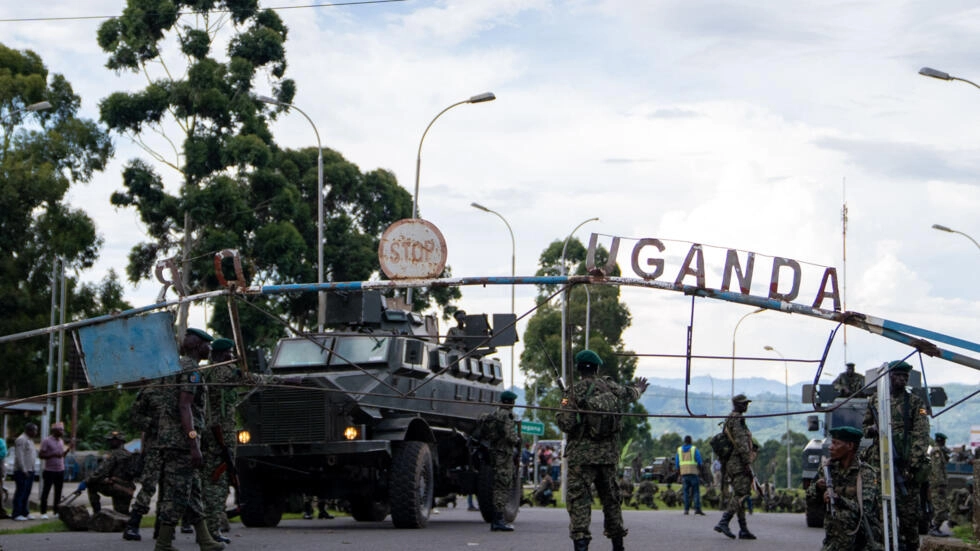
[[607, 319], [42, 153]]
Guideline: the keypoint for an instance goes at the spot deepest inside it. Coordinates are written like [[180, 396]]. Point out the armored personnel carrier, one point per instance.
[[377, 413]]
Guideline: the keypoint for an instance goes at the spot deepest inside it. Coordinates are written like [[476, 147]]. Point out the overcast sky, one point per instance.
[[734, 124]]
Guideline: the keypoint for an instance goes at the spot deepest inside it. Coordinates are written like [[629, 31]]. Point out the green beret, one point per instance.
[[587, 357], [508, 397], [847, 434], [741, 399], [940, 436], [222, 344], [115, 435], [898, 365], [201, 334]]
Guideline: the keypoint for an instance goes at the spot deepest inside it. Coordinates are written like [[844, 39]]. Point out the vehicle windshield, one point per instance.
[[302, 353], [360, 350], [848, 417]]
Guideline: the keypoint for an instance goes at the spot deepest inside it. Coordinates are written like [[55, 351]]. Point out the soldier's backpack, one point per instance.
[[722, 445], [606, 420]]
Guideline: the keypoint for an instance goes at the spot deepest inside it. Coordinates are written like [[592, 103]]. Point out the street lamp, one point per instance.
[[513, 273], [789, 461], [479, 98], [933, 73], [321, 309], [940, 227], [740, 320], [39, 106], [564, 299]]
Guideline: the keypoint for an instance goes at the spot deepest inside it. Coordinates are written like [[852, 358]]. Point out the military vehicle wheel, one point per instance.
[[411, 485], [261, 508], [484, 495], [365, 510]]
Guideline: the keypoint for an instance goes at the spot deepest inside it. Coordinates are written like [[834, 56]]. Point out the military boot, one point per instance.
[[618, 544], [581, 544], [219, 537], [132, 531], [165, 538], [204, 540], [722, 526], [743, 530], [96, 507], [498, 524]]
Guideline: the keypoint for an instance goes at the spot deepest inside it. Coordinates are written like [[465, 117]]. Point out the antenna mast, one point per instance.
[[843, 217]]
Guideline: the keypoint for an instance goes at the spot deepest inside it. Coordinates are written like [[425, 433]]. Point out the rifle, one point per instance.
[[830, 490], [558, 379], [227, 465]]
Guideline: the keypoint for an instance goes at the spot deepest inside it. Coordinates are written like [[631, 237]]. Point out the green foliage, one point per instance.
[[42, 154]]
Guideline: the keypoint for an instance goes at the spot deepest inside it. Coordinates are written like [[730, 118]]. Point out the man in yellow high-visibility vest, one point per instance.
[[689, 462]]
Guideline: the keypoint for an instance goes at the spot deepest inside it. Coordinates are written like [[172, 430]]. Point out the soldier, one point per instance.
[[849, 382], [670, 496], [738, 469], [113, 477], [591, 416], [939, 486], [853, 498], [910, 443], [180, 442], [645, 494], [626, 489], [961, 505], [544, 492], [500, 429], [145, 413], [712, 497]]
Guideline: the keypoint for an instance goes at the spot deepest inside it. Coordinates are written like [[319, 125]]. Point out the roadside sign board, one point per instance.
[[532, 428]]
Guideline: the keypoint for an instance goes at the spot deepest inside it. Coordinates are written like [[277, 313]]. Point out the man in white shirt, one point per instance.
[[25, 455]]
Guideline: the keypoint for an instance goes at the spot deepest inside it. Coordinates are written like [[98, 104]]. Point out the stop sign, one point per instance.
[[412, 248]]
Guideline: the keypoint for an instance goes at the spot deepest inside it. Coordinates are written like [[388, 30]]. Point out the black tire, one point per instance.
[[484, 495], [365, 510], [411, 485], [261, 508]]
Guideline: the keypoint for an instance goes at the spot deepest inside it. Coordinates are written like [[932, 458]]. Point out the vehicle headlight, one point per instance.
[[354, 432], [244, 437]]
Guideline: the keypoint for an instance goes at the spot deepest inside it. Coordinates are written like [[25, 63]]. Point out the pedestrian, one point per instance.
[[145, 413], [3, 477], [25, 455], [738, 469], [852, 522], [113, 478], [939, 486], [527, 458], [181, 424], [716, 473], [591, 416], [500, 429], [689, 460], [53, 452], [910, 445]]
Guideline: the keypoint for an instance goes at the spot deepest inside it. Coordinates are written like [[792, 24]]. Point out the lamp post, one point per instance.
[[564, 299], [734, 331], [933, 73], [940, 227], [513, 272], [789, 461], [34, 107], [321, 308], [479, 98]]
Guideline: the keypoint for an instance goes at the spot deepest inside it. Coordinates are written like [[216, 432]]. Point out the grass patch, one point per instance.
[[964, 533], [38, 528]]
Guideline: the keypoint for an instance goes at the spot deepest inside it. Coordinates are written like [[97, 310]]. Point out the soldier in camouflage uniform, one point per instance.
[[626, 490], [848, 382], [145, 413], [854, 524], [593, 448], [738, 469], [939, 486], [180, 442], [113, 477], [670, 497], [645, 494], [221, 399], [910, 442], [500, 430]]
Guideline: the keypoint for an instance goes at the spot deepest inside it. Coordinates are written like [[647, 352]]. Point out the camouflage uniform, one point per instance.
[[500, 429], [854, 525], [939, 485], [738, 465], [911, 460], [645, 494], [961, 502], [146, 411], [220, 412], [626, 490], [848, 383], [592, 461], [180, 482], [114, 479]]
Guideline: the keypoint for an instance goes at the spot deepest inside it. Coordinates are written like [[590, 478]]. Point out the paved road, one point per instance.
[[537, 528]]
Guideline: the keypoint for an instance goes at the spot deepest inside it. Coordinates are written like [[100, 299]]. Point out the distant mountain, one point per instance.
[[665, 399]]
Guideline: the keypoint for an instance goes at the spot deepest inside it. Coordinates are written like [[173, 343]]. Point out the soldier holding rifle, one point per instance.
[[852, 491]]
